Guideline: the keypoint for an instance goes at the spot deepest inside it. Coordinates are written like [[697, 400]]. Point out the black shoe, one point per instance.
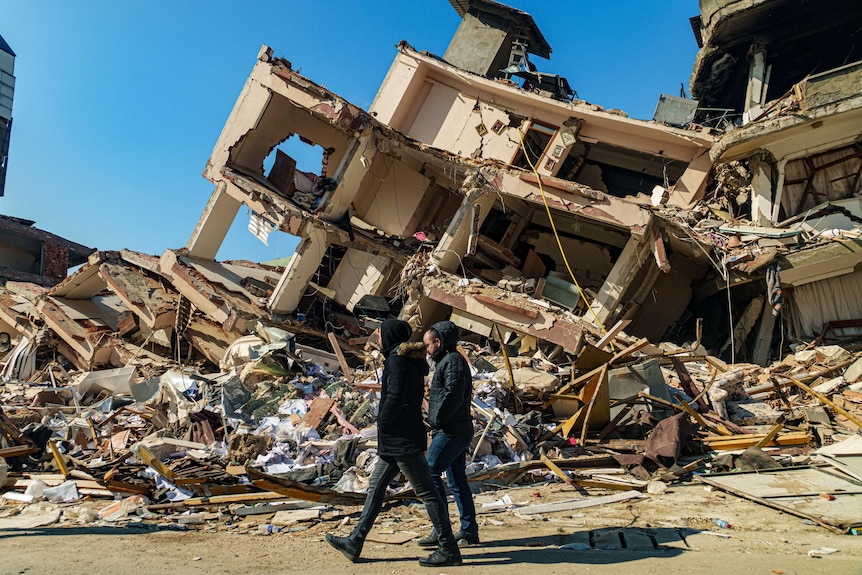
[[348, 547], [431, 540], [448, 557], [463, 540]]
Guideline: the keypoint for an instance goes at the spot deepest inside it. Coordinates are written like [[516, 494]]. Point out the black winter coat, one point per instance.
[[400, 429], [451, 391]]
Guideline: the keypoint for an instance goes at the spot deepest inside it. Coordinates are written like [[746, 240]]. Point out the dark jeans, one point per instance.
[[415, 468], [449, 453]]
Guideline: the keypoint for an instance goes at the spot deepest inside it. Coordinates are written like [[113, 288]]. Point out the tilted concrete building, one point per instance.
[[499, 174]]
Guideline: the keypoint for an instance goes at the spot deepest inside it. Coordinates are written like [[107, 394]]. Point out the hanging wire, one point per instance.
[[557, 236]]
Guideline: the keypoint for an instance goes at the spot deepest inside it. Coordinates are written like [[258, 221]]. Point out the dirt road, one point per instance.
[[670, 533]]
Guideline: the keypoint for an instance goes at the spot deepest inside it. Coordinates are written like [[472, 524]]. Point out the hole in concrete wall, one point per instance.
[[301, 170], [308, 156]]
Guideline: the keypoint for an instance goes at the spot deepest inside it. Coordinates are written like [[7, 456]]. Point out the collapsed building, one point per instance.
[[479, 189], [491, 178]]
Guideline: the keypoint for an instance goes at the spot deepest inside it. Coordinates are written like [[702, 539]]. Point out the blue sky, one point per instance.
[[118, 104]]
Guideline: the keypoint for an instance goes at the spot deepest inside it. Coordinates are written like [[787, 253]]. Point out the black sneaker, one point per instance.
[[464, 540], [346, 545], [443, 558]]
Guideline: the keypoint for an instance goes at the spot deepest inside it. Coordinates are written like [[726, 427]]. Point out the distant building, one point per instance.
[[27, 254], [7, 91]]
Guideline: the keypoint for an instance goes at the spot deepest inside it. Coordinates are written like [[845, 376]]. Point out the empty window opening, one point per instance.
[[536, 139]]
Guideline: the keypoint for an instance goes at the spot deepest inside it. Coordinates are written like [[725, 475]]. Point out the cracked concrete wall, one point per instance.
[[391, 199], [590, 262], [358, 274]]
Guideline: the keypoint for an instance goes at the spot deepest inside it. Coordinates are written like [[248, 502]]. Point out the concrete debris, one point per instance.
[[619, 345]]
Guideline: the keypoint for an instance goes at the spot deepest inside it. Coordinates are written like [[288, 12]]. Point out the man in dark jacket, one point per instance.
[[449, 404], [401, 445]]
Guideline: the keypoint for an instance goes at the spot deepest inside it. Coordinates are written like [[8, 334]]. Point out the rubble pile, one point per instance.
[[176, 445]]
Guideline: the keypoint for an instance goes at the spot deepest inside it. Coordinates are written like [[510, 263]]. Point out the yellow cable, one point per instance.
[[557, 236]]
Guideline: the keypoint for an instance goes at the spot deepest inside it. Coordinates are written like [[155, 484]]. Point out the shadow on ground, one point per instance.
[[591, 547]]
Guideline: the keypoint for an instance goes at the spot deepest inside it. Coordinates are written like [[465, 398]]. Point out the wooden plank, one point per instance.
[[59, 459], [557, 471], [55, 480], [150, 459], [222, 500], [592, 390], [319, 409], [513, 392], [771, 435], [612, 333], [297, 490], [720, 429], [566, 426], [641, 343], [725, 443], [345, 369], [853, 419], [17, 451]]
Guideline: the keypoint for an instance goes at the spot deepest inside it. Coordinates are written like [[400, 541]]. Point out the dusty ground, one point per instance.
[[649, 536]]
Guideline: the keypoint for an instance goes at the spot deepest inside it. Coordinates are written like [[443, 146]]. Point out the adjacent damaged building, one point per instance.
[[787, 76]]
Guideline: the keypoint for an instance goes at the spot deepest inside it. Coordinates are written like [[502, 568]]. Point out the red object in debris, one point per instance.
[[573, 441], [827, 496]]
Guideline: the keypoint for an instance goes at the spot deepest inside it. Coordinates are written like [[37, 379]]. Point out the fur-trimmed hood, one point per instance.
[[412, 350]]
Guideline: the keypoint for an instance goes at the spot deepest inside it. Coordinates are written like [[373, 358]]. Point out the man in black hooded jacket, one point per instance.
[[401, 442], [449, 401]]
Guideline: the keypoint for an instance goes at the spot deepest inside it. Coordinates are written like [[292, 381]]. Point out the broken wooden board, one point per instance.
[[221, 500], [295, 489], [318, 411], [588, 461], [730, 442], [345, 369]]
